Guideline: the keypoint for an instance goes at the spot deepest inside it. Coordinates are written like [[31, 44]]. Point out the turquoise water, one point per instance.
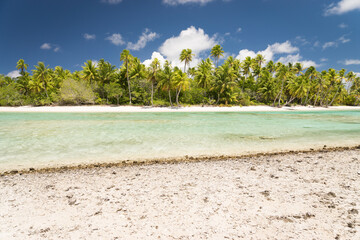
[[52, 139]]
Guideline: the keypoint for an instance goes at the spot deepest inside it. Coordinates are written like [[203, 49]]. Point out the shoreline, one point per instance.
[[129, 109], [169, 160]]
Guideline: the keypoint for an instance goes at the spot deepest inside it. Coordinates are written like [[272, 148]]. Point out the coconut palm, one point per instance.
[[42, 76], [182, 82], [216, 53], [22, 66], [166, 79], [153, 72], [90, 72], [126, 58], [186, 57]]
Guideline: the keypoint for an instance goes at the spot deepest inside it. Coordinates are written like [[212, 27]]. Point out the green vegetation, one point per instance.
[[249, 82]]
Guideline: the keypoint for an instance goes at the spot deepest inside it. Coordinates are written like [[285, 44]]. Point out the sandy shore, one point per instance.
[[288, 196], [97, 108]]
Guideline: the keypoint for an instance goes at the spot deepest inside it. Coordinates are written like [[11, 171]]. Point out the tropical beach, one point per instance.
[[179, 119]]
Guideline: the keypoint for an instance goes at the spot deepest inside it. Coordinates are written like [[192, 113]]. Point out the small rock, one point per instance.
[[331, 194], [353, 211], [351, 225]]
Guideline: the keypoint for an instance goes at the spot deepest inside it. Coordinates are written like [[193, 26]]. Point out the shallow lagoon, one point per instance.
[[52, 139]]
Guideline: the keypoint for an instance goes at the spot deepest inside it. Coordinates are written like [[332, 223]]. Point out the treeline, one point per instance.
[[250, 82]]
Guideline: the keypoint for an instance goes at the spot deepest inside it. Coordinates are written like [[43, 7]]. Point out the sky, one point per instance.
[[322, 33]]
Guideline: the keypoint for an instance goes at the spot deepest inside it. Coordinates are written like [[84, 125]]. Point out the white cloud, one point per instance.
[[335, 43], [324, 59], [329, 44], [14, 74], [352, 62], [45, 46], [245, 53], [195, 39], [116, 39], [342, 39], [182, 2], [89, 36], [297, 59], [239, 29], [343, 25], [342, 7], [270, 51], [357, 74], [153, 56], [111, 1], [49, 46], [146, 36], [95, 62]]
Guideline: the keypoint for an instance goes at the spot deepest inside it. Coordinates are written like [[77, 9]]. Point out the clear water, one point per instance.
[[53, 139]]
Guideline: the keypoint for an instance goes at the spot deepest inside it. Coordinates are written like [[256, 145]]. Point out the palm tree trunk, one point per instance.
[[177, 96], [170, 98], [317, 95], [337, 91], [128, 81], [281, 91], [152, 93]]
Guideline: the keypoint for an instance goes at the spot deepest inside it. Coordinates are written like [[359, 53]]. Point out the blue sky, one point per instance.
[[324, 33]]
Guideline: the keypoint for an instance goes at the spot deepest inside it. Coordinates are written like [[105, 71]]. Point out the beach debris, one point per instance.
[[253, 168]]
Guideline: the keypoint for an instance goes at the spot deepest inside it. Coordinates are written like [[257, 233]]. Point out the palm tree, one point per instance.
[[89, 72], [283, 74], [153, 76], [204, 74], [182, 81], [41, 74], [186, 56], [126, 58], [216, 53], [22, 66], [225, 77], [166, 79]]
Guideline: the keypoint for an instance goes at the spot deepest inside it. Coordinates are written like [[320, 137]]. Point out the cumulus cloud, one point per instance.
[[278, 49], [45, 46], [89, 36], [239, 29], [182, 2], [153, 56], [195, 39], [270, 51], [14, 74], [146, 36], [352, 62], [357, 74], [116, 39], [111, 1], [343, 6], [297, 59]]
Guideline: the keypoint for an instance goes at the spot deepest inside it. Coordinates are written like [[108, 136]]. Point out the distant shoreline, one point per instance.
[[129, 109]]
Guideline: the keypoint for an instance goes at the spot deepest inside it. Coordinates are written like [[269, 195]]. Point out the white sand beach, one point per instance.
[[288, 196], [103, 108]]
